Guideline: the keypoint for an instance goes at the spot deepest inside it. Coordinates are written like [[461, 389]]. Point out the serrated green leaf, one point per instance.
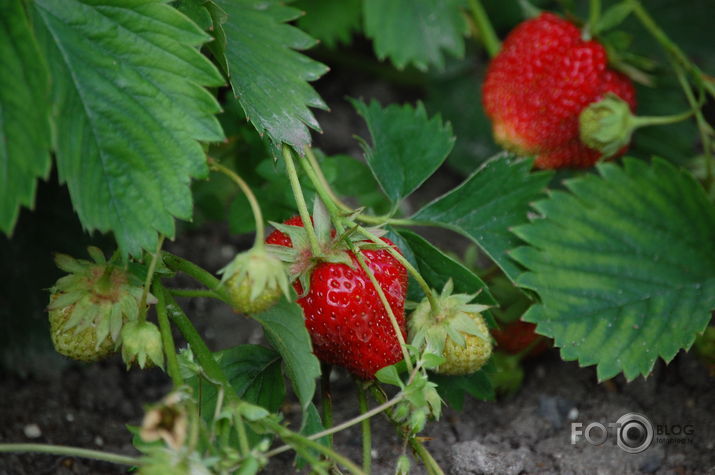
[[484, 207], [437, 268], [24, 114], [389, 375], [196, 11], [129, 111], [407, 146], [329, 21], [624, 264], [253, 371], [285, 329], [267, 73], [415, 32]]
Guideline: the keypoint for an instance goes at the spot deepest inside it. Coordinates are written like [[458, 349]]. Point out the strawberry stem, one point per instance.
[[149, 279], [594, 14], [434, 304], [486, 30], [172, 364], [72, 452], [180, 264], [326, 398], [300, 200], [255, 208], [314, 166], [194, 293], [365, 426]]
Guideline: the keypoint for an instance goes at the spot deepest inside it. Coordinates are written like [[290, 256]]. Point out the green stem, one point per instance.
[[149, 279], [434, 304], [300, 200], [489, 37], [429, 462], [594, 14], [356, 420], [242, 435], [193, 293], [703, 127], [314, 168], [326, 399], [203, 354], [172, 364], [648, 120], [180, 264], [300, 440], [255, 208], [366, 434], [71, 452]]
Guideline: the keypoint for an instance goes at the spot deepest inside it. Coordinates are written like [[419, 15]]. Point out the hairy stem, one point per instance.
[[326, 399], [203, 354], [149, 279], [300, 200], [194, 293], [314, 166], [365, 426], [486, 30], [203, 276], [255, 208], [172, 364], [71, 452]]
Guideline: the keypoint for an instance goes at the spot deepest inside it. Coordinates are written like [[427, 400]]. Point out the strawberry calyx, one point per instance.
[[260, 272], [608, 124], [96, 294], [142, 344], [457, 320], [299, 255]]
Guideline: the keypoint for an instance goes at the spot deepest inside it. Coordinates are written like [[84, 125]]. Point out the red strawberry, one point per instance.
[[517, 336], [538, 84], [346, 320]]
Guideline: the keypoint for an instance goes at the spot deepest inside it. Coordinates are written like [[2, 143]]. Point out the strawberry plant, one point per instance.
[[591, 230]]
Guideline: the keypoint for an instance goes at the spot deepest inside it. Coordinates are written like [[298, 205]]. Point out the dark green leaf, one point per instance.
[[329, 21], [130, 110], [624, 266], [456, 95], [285, 330], [312, 424], [415, 32], [24, 114], [491, 201], [267, 73], [196, 11], [437, 268], [254, 372], [407, 146], [453, 388]]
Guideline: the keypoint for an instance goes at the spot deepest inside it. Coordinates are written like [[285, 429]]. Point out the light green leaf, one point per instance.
[[624, 264], [253, 371], [437, 268], [24, 114], [268, 76], [484, 207], [129, 111], [329, 21], [407, 146], [415, 32], [285, 329]]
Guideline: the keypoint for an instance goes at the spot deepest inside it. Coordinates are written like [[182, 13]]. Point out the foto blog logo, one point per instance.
[[634, 432]]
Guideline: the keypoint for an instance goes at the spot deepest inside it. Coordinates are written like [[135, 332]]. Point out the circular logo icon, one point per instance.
[[634, 433]]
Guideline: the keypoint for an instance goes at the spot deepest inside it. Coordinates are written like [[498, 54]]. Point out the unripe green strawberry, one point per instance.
[[458, 332], [89, 306], [141, 344], [468, 357], [81, 346], [254, 281]]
